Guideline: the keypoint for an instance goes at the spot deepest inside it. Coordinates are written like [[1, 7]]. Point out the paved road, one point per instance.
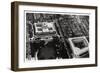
[[62, 36]]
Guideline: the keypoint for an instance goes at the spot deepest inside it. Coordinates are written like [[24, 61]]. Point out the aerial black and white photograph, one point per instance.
[[51, 36]]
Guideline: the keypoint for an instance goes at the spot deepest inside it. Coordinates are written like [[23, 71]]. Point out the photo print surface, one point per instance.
[[54, 36]]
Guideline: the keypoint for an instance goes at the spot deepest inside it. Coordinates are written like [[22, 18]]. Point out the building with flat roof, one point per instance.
[[44, 29]]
